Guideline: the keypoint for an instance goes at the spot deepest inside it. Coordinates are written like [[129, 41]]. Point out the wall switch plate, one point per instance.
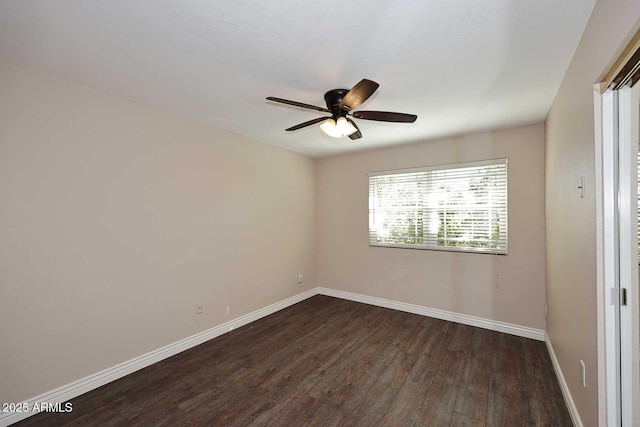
[[300, 277], [199, 308]]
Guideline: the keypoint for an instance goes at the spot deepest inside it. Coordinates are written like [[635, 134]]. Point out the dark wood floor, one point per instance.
[[331, 362]]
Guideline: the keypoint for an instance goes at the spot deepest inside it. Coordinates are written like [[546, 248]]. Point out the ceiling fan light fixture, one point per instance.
[[338, 128], [340, 103]]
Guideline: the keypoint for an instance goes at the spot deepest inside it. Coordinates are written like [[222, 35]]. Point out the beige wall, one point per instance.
[[504, 288], [115, 219], [571, 239]]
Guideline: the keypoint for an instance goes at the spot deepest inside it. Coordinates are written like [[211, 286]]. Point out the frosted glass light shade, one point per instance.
[[339, 128], [329, 127]]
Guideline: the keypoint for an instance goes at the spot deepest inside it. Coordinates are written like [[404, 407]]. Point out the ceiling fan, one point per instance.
[[340, 103]]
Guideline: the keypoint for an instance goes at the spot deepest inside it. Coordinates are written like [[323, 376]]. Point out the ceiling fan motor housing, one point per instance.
[[333, 98]]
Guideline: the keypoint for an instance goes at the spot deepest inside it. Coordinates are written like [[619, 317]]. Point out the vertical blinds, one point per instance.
[[461, 207]]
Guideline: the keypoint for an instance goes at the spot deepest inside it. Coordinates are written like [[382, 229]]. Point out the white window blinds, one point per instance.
[[460, 207]]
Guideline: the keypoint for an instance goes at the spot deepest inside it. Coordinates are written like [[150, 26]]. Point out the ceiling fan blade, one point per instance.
[[297, 104], [385, 116], [355, 135], [308, 123], [358, 94]]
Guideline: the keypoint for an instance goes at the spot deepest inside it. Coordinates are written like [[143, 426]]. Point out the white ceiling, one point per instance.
[[461, 66]]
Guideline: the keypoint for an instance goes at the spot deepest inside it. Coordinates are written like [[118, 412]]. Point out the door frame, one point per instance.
[[606, 155], [616, 138]]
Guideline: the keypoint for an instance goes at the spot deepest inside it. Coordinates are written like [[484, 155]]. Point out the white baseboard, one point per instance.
[[91, 382], [494, 325], [571, 406]]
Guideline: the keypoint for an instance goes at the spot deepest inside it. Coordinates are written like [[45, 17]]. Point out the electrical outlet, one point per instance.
[[199, 307], [300, 277]]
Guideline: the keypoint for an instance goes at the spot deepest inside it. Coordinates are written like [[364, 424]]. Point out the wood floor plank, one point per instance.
[[406, 406], [453, 365], [374, 405], [474, 391], [303, 410], [504, 401], [353, 371], [461, 420], [430, 358], [422, 334], [327, 361], [406, 326], [502, 411], [461, 337], [225, 406], [540, 392], [438, 406], [398, 370], [347, 379]]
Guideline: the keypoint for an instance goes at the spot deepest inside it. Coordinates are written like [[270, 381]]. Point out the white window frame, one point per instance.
[[445, 167]]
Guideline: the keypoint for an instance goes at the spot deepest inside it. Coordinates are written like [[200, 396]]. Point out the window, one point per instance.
[[460, 207]]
